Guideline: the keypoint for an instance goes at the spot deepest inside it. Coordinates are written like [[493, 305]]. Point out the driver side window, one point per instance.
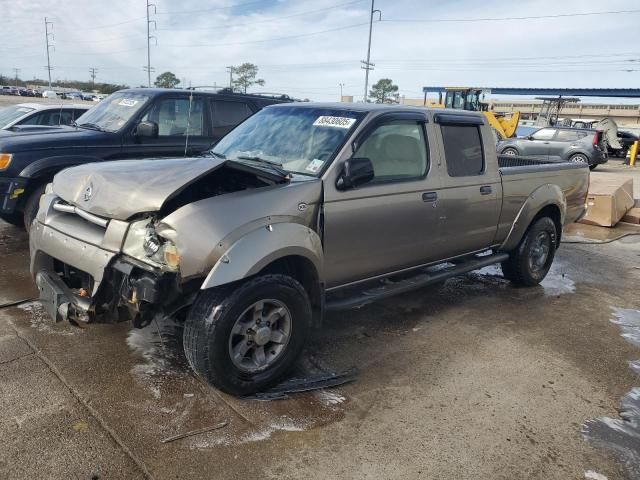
[[397, 150], [177, 117]]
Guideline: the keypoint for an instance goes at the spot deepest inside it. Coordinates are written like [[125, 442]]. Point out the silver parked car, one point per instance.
[[41, 114], [568, 144]]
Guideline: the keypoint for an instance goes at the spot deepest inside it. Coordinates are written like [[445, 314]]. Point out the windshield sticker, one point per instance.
[[314, 166], [127, 102], [335, 122]]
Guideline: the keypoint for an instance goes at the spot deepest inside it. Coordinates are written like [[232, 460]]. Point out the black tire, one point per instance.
[[527, 266], [13, 218], [510, 151], [31, 206], [579, 158], [208, 332], [592, 167]]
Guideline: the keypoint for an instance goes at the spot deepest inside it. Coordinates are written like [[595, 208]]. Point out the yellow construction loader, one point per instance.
[[462, 98]]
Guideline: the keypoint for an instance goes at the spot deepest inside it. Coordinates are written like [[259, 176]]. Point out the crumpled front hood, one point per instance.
[[123, 188]]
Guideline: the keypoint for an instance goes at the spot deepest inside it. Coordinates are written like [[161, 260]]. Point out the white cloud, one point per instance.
[[112, 37]]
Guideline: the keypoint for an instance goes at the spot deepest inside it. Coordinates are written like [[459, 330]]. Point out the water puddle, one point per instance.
[[582, 233], [622, 435], [557, 282], [161, 369], [39, 320]]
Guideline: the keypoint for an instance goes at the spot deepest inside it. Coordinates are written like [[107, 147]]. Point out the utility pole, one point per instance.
[[93, 71], [366, 64], [149, 37], [341, 85], [48, 35], [16, 70], [230, 69]]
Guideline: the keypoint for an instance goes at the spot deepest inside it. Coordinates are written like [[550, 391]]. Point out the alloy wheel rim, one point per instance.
[[540, 249], [260, 335]]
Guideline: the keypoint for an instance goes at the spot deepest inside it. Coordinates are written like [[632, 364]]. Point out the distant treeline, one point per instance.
[[74, 84]]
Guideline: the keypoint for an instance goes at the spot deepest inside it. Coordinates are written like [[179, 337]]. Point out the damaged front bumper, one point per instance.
[[83, 281]]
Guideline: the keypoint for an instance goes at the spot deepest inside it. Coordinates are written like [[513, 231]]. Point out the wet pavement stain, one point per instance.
[[622, 435]]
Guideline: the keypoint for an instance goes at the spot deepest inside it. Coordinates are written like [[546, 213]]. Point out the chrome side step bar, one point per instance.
[[358, 298]]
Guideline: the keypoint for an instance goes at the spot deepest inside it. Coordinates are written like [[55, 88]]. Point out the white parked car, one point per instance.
[[43, 114], [49, 94]]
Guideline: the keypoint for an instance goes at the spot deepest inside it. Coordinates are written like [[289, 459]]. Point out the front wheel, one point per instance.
[[510, 151], [246, 339], [530, 262], [31, 206]]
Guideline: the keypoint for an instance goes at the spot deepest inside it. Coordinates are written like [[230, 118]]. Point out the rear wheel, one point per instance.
[[579, 158], [530, 262], [510, 151], [31, 206], [246, 339]]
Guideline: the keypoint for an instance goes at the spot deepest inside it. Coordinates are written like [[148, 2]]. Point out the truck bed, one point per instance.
[[523, 175]]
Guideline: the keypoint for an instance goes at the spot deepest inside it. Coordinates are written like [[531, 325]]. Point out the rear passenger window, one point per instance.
[[463, 150], [228, 113], [569, 135]]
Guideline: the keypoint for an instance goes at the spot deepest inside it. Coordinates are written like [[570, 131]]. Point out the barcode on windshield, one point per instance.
[[336, 122]]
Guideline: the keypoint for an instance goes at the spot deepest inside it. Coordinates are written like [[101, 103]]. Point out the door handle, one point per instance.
[[430, 196], [486, 190]]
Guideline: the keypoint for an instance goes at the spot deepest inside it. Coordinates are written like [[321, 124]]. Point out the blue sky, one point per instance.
[[308, 47]]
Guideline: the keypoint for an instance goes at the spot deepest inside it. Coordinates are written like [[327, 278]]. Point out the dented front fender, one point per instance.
[[260, 247]]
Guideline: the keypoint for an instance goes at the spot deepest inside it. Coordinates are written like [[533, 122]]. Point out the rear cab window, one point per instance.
[[463, 150]]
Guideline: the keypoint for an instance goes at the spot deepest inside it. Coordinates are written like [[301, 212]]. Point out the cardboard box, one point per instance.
[[608, 200], [632, 216]]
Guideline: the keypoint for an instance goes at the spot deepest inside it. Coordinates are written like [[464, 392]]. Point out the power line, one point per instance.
[[270, 39], [501, 19], [212, 9], [272, 19]]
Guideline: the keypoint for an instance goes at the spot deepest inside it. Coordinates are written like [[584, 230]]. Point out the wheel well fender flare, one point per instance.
[[251, 253], [547, 198], [46, 168]]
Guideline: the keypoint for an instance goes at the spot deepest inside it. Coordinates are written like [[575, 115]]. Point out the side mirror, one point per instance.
[[355, 172], [147, 129]]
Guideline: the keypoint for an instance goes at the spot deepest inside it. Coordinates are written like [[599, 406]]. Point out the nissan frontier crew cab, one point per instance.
[[301, 209]]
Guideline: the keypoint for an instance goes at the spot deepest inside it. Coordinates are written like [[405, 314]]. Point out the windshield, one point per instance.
[[9, 114], [302, 140], [114, 111]]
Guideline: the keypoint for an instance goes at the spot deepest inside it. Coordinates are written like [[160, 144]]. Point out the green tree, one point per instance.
[[166, 80], [384, 91], [245, 75]]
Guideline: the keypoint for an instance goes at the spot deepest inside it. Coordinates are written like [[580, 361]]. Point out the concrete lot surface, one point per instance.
[[472, 379]]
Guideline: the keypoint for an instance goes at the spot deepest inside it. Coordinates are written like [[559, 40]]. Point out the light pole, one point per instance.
[[367, 65]]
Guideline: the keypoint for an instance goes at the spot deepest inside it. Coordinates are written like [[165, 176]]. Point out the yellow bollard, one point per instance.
[[633, 152]]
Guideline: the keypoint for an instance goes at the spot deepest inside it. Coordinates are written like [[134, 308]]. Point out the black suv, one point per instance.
[[132, 123]]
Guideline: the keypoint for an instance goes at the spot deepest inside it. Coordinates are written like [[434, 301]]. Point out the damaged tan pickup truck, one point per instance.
[[301, 209]]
